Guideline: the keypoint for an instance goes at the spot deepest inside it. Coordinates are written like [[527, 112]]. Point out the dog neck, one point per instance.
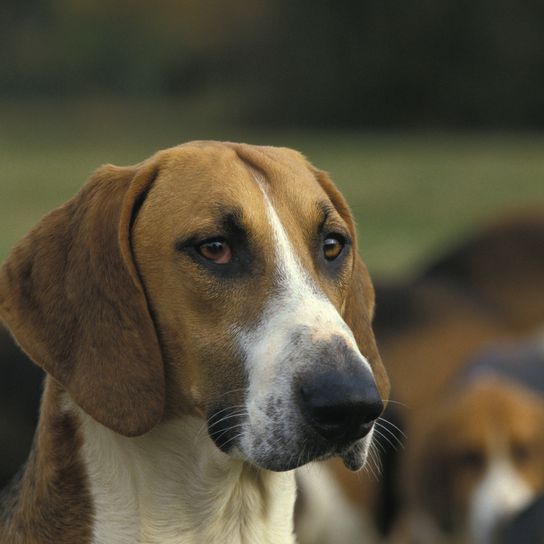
[[169, 486], [174, 485], [48, 502]]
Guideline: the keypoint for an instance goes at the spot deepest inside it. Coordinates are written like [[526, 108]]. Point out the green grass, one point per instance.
[[413, 194]]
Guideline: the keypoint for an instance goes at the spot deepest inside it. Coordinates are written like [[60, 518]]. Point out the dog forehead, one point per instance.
[[282, 167], [493, 410], [203, 176]]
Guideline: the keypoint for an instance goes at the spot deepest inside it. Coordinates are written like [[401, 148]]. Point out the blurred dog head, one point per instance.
[[479, 459]]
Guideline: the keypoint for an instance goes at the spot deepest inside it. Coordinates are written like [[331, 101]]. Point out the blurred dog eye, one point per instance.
[[472, 460], [217, 251], [333, 246], [520, 453]]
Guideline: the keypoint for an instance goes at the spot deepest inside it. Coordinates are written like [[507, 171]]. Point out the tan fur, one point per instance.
[[134, 332]]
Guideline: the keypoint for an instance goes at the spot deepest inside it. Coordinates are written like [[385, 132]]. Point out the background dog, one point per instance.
[[432, 330]]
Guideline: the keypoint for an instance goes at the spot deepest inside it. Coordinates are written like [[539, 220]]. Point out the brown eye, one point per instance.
[[332, 247], [217, 251]]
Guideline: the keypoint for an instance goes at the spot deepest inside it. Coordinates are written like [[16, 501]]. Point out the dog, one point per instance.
[[480, 459], [205, 325]]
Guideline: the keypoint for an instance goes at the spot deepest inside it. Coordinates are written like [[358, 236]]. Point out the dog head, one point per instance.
[[218, 280], [481, 459]]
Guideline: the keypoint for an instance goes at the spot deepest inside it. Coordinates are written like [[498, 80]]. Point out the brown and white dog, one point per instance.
[[479, 459], [204, 321]]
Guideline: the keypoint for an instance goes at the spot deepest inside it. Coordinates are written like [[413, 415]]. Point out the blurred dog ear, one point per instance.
[[72, 297], [358, 308]]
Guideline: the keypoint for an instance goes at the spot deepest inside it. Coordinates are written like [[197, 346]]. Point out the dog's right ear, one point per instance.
[[72, 297]]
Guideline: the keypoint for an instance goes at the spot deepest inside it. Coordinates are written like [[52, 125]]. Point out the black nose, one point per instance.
[[340, 405]]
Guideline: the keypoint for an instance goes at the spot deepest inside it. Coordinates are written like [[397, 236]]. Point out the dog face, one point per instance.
[[255, 272], [242, 301], [481, 460]]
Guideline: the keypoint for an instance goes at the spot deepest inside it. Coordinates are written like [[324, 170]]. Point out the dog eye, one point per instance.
[[217, 251], [333, 246], [472, 460], [521, 453]]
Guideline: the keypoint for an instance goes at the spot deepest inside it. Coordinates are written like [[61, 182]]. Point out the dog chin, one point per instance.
[[279, 453], [353, 457]]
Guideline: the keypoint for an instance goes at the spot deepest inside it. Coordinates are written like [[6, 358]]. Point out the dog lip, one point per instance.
[[353, 462], [353, 457], [292, 460]]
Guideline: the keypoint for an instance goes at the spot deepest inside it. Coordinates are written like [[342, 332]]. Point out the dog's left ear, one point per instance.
[[358, 309], [72, 297]]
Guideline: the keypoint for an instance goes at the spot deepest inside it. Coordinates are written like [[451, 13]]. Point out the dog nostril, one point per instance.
[[340, 407]]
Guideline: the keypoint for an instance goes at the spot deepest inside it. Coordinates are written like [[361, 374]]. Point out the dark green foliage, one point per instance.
[[439, 63]]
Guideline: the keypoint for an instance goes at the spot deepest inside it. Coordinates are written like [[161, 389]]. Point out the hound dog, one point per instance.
[[479, 459], [204, 321]]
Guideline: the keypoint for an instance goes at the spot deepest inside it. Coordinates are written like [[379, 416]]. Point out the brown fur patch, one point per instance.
[[70, 295], [503, 264], [50, 504]]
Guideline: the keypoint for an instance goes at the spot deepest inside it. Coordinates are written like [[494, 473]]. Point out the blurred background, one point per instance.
[[429, 115]]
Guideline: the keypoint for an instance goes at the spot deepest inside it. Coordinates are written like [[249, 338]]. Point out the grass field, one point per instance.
[[412, 193]]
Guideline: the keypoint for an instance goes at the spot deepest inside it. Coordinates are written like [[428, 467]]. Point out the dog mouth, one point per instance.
[[353, 453], [278, 451], [353, 456]]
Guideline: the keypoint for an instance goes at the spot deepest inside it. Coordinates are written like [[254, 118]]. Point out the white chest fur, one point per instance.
[[173, 486]]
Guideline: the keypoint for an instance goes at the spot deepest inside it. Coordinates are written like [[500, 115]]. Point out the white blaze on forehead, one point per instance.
[[501, 493], [299, 301]]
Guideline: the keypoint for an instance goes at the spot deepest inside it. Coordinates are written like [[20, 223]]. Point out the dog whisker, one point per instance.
[[241, 409], [377, 459], [232, 407], [229, 416], [389, 401], [235, 437], [394, 446], [398, 429], [370, 470], [378, 445], [390, 433], [220, 433]]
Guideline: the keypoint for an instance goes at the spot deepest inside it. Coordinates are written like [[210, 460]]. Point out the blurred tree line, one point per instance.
[[439, 63]]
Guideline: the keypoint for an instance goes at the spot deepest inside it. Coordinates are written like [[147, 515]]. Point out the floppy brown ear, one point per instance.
[[70, 293], [358, 309]]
